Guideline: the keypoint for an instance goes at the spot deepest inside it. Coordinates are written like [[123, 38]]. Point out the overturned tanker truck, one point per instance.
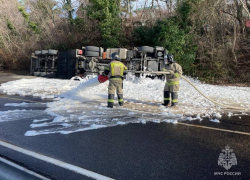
[[91, 60]]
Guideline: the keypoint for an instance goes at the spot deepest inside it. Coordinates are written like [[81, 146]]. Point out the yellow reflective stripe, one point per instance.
[[174, 100], [122, 67], [112, 69], [107, 68], [111, 100], [173, 83], [166, 98], [177, 74], [164, 69], [120, 100], [125, 68]]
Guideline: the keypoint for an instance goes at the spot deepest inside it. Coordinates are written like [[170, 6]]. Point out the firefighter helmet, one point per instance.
[[169, 58], [115, 56]]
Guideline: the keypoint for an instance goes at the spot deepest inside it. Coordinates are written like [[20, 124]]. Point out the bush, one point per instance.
[[174, 34]]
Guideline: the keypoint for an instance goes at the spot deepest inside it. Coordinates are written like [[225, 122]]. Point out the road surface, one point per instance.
[[186, 150]]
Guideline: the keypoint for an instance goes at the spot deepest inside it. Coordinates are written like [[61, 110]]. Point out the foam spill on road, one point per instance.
[[69, 116], [80, 106]]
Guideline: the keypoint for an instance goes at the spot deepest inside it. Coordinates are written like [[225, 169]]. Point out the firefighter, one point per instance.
[[172, 81], [115, 71]]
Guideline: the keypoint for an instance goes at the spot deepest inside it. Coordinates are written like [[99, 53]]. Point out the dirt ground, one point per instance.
[[8, 76]]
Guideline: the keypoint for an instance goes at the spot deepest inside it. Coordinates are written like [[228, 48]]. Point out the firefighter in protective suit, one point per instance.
[[172, 81], [115, 71]]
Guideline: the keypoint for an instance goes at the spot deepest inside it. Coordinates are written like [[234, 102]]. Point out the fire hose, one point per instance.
[[160, 72]]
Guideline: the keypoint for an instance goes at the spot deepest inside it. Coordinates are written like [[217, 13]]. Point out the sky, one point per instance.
[[81, 105]]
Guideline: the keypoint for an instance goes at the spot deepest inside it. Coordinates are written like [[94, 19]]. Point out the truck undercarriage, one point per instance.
[[92, 60]]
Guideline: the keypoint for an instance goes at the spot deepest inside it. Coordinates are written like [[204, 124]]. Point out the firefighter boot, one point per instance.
[[174, 97], [120, 99], [111, 98], [166, 98]]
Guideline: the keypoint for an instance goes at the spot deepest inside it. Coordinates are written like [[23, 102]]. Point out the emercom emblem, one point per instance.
[[227, 158]]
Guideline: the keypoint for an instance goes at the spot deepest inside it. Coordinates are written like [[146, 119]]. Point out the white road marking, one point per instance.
[[217, 129], [56, 162], [22, 169], [20, 99]]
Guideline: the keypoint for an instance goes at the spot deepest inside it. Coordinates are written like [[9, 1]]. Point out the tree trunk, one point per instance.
[[235, 33]]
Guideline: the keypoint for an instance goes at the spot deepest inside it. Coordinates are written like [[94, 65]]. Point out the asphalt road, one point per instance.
[[135, 151]]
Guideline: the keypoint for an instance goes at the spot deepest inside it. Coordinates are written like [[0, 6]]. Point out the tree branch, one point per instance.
[[246, 9]]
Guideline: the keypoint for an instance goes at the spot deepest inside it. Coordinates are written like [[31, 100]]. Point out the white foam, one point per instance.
[[81, 105], [16, 104], [215, 120], [39, 120]]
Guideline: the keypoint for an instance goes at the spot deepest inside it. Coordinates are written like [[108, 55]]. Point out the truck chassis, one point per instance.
[[90, 60]]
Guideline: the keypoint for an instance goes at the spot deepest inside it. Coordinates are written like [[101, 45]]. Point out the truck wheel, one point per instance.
[[52, 52], [92, 48], [91, 53], [146, 49]]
